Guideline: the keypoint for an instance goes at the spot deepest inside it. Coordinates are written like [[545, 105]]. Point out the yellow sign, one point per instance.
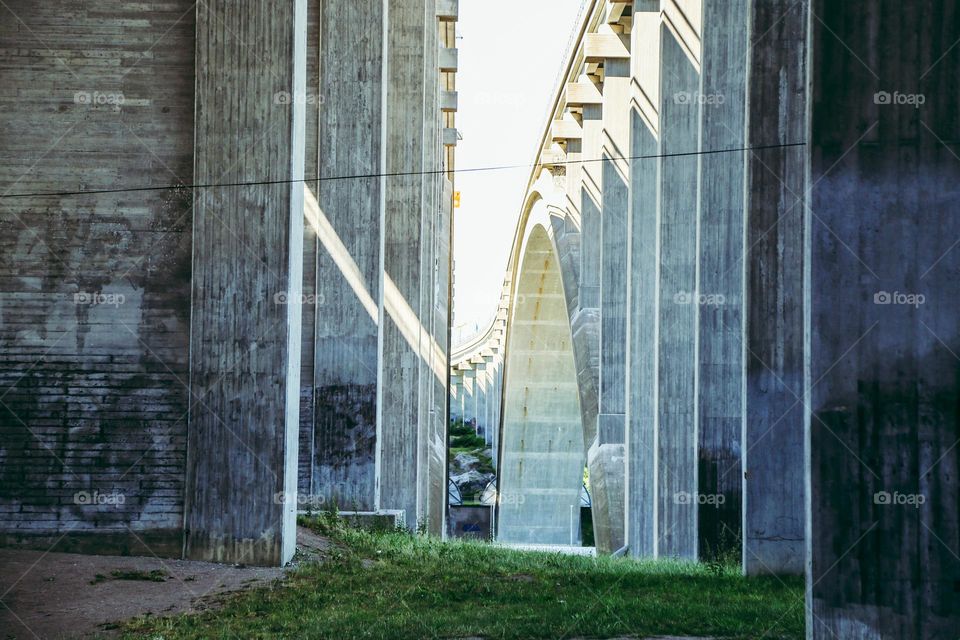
[[456, 199]]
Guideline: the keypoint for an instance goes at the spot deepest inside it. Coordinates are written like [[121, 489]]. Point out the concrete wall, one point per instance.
[[883, 386], [95, 289], [151, 358]]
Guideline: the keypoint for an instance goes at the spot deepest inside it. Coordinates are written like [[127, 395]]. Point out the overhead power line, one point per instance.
[[396, 174]]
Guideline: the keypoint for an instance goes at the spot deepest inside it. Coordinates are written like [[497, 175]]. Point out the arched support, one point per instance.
[[542, 449]]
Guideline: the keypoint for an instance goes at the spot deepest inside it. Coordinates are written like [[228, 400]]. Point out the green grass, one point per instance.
[[398, 585]]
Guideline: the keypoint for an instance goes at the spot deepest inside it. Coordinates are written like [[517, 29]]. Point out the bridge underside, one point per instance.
[[753, 206]]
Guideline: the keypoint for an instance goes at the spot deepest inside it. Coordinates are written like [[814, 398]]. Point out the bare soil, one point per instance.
[[66, 595]]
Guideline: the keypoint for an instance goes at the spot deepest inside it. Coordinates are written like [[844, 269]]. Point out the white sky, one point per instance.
[[510, 54]]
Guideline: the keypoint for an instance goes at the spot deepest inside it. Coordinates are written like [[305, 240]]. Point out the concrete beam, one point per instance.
[[448, 10], [598, 47], [448, 59], [566, 129], [448, 101], [581, 93]]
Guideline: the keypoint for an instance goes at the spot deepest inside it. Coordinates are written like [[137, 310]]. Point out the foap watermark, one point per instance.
[[302, 501], [96, 499], [97, 298], [298, 98], [99, 98], [898, 297], [695, 97], [284, 298], [701, 299], [511, 497], [708, 499], [899, 499], [915, 100]]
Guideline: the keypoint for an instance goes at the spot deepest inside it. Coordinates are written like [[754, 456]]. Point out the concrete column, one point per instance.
[[773, 429], [606, 458], [311, 168], [431, 470], [245, 343], [346, 219], [643, 302], [400, 447], [677, 435], [883, 334], [480, 392], [720, 251], [456, 396]]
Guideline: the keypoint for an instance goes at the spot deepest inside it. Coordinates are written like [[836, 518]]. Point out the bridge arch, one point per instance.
[[542, 453]]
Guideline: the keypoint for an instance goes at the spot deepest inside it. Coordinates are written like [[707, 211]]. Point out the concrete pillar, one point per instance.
[[773, 530], [456, 396], [347, 219], [245, 342], [469, 396], [480, 392], [311, 168], [643, 304], [409, 352], [720, 251], [884, 198], [606, 459], [677, 329]]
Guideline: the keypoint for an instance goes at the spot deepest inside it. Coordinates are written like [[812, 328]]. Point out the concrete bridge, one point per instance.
[[224, 270], [728, 297], [224, 287]]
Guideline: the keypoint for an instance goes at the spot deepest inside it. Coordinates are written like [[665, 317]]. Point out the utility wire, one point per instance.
[[393, 174]]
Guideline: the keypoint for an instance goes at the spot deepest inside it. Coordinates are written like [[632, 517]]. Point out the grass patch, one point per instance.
[[398, 585], [156, 575]]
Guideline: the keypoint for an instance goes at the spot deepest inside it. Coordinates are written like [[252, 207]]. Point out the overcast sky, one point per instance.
[[511, 52]]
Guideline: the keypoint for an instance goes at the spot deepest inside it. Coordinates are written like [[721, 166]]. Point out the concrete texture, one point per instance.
[[883, 392], [542, 459], [720, 250], [95, 289], [773, 437], [348, 224], [151, 351], [676, 362], [643, 301], [244, 371]]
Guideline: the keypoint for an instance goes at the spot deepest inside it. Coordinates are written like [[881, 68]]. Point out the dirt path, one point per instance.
[[59, 595]]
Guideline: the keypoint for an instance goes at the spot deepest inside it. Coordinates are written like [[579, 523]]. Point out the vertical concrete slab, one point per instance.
[[720, 251], [408, 352], [608, 496], [883, 341], [643, 302], [311, 169], [248, 254], [95, 288], [773, 428], [347, 221], [677, 323]]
